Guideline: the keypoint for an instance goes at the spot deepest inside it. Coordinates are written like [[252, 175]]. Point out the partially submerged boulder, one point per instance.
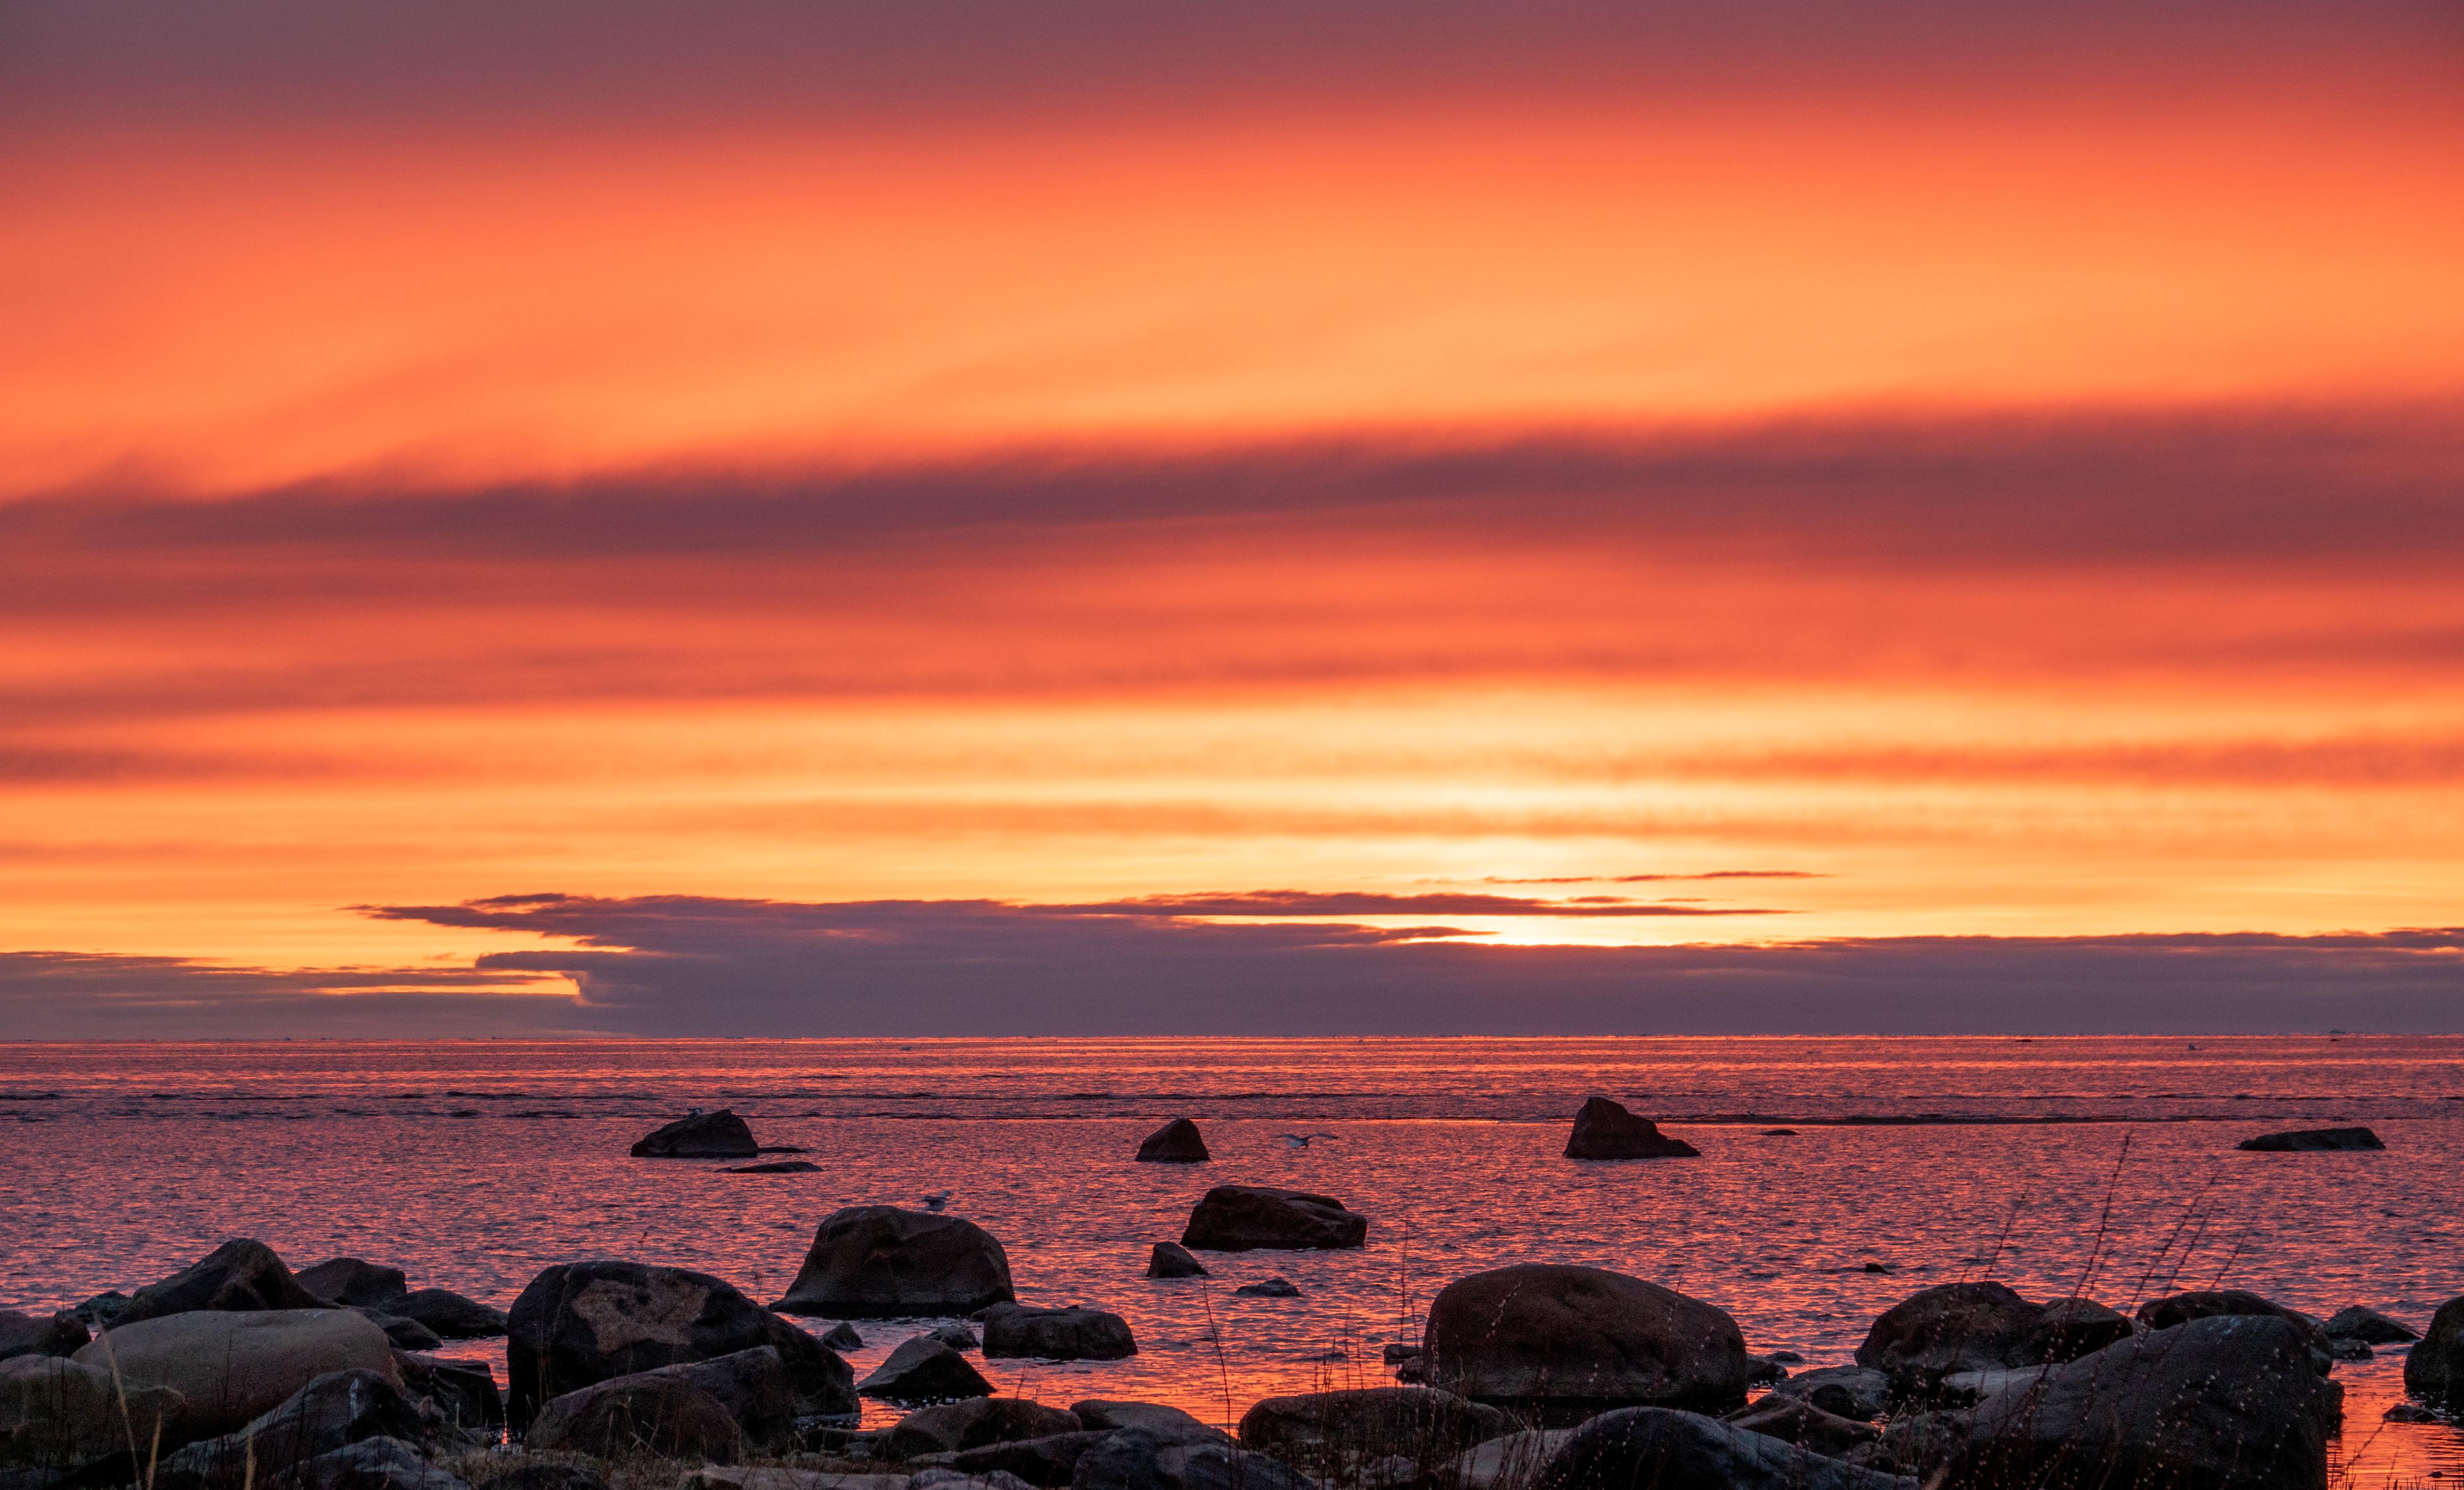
[[1172, 1260], [2313, 1140], [449, 1314], [700, 1135], [585, 1322], [1070, 1334], [1176, 1142], [232, 1367], [879, 1262], [1572, 1340], [353, 1280], [238, 1276], [654, 1412], [2368, 1325], [66, 1415], [2435, 1369], [975, 1424], [924, 1369], [1604, 1130], [1323, 1432], [1641, 1447], [1968, 1326], [1254, 1217], [59, 1333], [332, 1411]]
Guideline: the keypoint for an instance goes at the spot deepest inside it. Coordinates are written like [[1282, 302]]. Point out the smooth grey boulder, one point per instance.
[[654, 1412], [1858, 1393], [233, 1365], [1641, 1447], [879, 1262], [449, 1314], [1796, 1420], [1133, 1458], [1572, 1341], [2435, 1369], [352, 1281], [60, 1333], [370, 1464], [956, 1426], [1257, 1217], [2368, 1325], [1013, 1331], [332, 1411], [585, 1322], [2228, 1402], [1604, 1130], [239, 1276], [1105, 1415], [924, 1369], [1172, 1260], [1176, 1142], [701, 1136], [2314, 1140], [1325, 1431], [67, 1416], [465, 1391]]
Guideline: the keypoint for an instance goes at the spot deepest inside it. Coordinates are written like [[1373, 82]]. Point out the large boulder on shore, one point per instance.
[[449, 1314], [2313, 1140], [1644, 1447], [652, 1412], [1013, 1331], [2231, 1402], [334, 1411], [581, 1324], [752, 1384], [62, 1415], [1325, 1431], [1971, 1326], [2181, 1308], [1254, 1217], [1134, 1458], [2435, 1369], [354, 1282], [230, 1367], [41, 1334], [1176, 1142], [1604, 1130], [981, 1421], [924, 1369], [1574, 1340], [702, 1135], [879, 1262], [238, 1276]]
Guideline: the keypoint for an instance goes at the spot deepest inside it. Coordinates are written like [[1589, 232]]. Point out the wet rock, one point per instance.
[[232, 1367], [102, 1309], [1570, 1340], [351, 1281], [1172, 1260], [1761, 1370], [2366, 1325], [1323, 1432], [332, 1411], [1796, 1420], [957, 1336], [2435, 1367], [653, 1412], [40, 1335], [2228, 1402], [1651, 1446], [1507, 1463], [956, 1426], [1604, 1130], [1253, 1217], [1133, 1458], [1270, 1288], [879, 1262], [1952, 1328], [1013, 1330], [68, 1415], [406, 1335], [585, 1322], [1176, 1142], [843, 1336], [2236, 1303], [1851, 1391], [1099, 1414], [2350, 1349], [464, 1391], [703, 1135], [238, 1276], [2408, 1412], [2309, 1140], [924, 1369], [776, 1167], [449, 1314]]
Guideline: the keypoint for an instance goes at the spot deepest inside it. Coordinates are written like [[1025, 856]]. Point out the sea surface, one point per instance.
[[2100, 1166]]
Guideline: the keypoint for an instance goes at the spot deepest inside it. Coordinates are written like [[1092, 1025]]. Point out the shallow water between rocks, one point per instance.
[[474, 1164]]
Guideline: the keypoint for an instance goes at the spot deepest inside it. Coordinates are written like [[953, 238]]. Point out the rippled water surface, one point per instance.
[[472, 1166]]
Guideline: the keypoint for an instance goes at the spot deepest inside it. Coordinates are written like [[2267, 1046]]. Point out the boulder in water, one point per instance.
[[1176, 1142], [1013, 1330], [1325, 1432], [2435, 1369], [652, 1412], [236, 1277], [41, 1334], [406, 1334], [2368, 1325], [351, 1281], [1952, 1328], [879, 1262], [101, 1310], [1172, 1260], [64, 1415], [2181, 1308], [233, 1365], [975, 1424], [2068, 1328], [1569, 1341], [1253, 1217], [701, 1136], [1652, 1446], [843, 1336], [2313, 1140], [451, 1315], [1268, 1288], [924, 1369], [1604, 1130]]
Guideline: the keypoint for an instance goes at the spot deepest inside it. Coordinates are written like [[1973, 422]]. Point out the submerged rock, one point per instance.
[[1270, 1288], [1570, 1340], [2308, 1140], [1072, 1334], [776, 1167], [41, 1334], [232, 1367], [351, 1281], [924, 1369], [1172, 1260], [1176, 1142], [1254, 1217], [702, 1135], [843, 1336], [1651, 1446], [2366, 1325], [2435, 1367], [238, 1276], [879, 1262], [1604, 1130]]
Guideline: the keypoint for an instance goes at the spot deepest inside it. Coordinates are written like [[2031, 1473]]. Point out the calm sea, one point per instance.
[[472, 1166]]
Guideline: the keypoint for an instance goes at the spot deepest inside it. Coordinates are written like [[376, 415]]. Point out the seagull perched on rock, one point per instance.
[[935, 1202], [1301, 1140]]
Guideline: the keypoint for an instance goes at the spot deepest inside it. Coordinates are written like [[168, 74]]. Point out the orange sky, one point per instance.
[[2016, 492]]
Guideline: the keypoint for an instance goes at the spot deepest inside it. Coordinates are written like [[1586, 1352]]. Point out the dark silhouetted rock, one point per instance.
[[1323, 1432], [451, 1315], [1605, 1130], [102, 1309], [1253, 1217], [2435, 1367], [1134, 1458], [843, 1336], [1176, 1142], [652, 1412], [1660, 1447], [1570, 1340], [1761, 1370], [2230, 1402], [332, 1411], [1796, 1420], [68, 1416], [878, 1262], [581, 1324], [957, 1336], [1857, 1392], [776, 1167], [2236, 1303], [464, 1391], [1172, 1260], [238, 1276], [350, 1280], [1072, 1334], [973, 1424], [1270, 1288], [1164, 1422], [406, 1335], [233, 1365], [752, 1384], [1952, 1328], [1507, 1463], [2311, 1140], [545, 1475], [2408, 1412], [41, 1334], [924, 1369], [2366, 1325], [2068, 1328], [1046, 1461], [704, 1135], [369, 1464]]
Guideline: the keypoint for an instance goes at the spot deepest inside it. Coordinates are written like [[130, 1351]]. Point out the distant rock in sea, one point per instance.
[[703, 1135], [1604, 1130], [879, 1262], [2310, 1140], [1176, 1142]]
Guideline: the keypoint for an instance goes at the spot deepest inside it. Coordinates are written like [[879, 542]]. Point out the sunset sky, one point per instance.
[[809, 518]]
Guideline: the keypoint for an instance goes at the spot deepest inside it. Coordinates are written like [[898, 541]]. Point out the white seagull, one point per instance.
[[937, 1200]]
